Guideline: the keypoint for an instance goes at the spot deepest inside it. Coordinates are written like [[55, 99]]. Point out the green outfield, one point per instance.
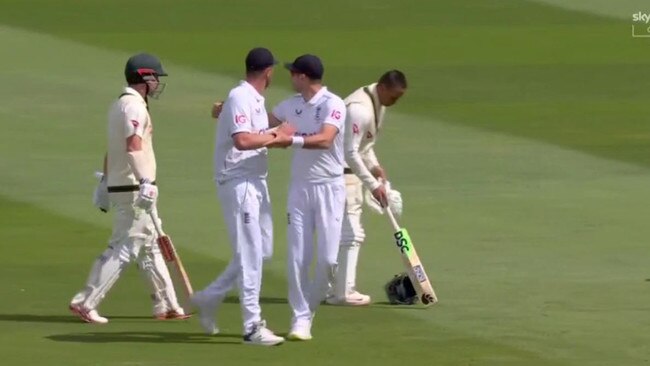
[[522, 150]]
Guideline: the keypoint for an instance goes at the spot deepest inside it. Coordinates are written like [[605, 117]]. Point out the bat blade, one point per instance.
[[171, 256], [414, 268]]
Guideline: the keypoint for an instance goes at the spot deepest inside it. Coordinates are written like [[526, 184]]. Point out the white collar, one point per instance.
[[252, 89], [317, 96]]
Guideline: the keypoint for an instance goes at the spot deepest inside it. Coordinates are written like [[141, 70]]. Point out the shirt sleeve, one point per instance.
[[238, 115], [335, 114], [370, 159], [280, 111], [135, 119], [356, 127]]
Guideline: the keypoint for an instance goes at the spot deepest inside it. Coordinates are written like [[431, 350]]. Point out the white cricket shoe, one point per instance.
[[260, 335], [300, 332], [353, 299], [206, 313], [88, 316], [299, 335]]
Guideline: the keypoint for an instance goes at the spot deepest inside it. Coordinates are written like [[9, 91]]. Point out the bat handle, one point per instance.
[[155, 223], [392, 219]]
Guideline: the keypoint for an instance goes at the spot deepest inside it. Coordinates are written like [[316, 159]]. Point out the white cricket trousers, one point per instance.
[[133, 233], [246, 207], [352, 233], [312, 209]]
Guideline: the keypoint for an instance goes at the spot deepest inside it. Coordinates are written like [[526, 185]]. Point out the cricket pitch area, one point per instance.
[[522, 151]]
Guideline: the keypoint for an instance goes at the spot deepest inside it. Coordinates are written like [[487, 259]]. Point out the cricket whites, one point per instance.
[[171, 256]]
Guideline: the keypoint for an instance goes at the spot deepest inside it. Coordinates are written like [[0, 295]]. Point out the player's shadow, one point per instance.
[[146, 337], [34, 318], [263, 300]]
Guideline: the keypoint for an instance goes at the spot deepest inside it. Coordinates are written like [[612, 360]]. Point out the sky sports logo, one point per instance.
[[641, 25]]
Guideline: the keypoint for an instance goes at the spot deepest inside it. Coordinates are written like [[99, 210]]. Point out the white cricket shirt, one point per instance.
[[243, 111], [312, 165], [362, 124], [129, 116]]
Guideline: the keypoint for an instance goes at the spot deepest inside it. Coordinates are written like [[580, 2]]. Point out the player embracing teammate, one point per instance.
[[313, 123]]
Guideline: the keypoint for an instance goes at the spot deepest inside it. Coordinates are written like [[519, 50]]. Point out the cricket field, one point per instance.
[[522, 151]]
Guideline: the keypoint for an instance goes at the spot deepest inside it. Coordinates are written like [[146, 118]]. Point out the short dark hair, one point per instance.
[[393, 78]]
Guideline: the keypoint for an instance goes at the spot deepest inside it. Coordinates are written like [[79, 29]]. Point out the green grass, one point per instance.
[[522, 151]]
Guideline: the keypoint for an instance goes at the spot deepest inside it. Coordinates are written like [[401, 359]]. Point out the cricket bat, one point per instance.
[[170, 255], [411, 260]]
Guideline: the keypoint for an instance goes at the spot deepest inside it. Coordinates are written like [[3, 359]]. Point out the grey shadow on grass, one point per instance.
[[263, 300], [146, 337], [39, 318]]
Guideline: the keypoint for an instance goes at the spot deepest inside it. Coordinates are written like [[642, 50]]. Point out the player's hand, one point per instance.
[[379, 194], [286, 128], [100, 196], [280, 140], [216, 109], [379, 173], [147, 196]]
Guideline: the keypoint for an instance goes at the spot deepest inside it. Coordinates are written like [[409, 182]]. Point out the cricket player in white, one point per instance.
[[241, 168], [129, 184], [317, 191], [365, 115]]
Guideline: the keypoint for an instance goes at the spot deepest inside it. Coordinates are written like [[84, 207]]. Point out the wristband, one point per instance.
[[297, 141]]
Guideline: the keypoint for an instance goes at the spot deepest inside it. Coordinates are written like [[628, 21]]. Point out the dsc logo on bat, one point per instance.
[[402, 241]]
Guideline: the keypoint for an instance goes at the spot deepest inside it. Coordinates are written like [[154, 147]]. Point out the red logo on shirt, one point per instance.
[[336, 114], [355, 129], [240, 118], [135, 123]]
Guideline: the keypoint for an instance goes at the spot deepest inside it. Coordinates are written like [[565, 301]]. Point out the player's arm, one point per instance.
[[333, 124], [252, 141], [370, 160], [357, 123], [241, 128], [135, 119]]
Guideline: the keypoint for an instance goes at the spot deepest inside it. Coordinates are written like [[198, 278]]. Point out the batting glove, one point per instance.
[[147, 195]]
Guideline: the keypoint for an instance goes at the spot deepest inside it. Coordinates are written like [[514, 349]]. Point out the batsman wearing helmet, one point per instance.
[[365, 115], [129, 186]]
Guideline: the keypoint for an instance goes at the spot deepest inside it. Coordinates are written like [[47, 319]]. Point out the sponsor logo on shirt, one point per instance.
[[247, 218], [318, 109], [135, 123], [240, 119], [369, 135], [336, 114], [355, 128]]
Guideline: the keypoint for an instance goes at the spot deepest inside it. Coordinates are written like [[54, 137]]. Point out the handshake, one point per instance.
[[283, 136]]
